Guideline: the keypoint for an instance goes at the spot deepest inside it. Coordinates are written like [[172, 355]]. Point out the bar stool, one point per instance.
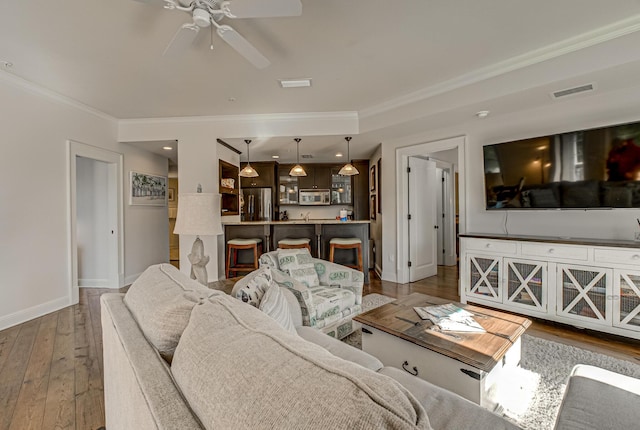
[[233, 246], [347, 243], [294, 243]]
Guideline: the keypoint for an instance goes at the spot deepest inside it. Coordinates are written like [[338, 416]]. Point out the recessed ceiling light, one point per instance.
[[167, 148], [295, 83], [6, 64], [275, 156], [482, 114], [232, 99], [338, 154]]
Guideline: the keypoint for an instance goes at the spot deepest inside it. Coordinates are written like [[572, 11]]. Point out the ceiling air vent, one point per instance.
[[306, 156], [572, 91]]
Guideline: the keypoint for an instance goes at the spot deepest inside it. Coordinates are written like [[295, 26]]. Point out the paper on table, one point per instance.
[[450, 317]]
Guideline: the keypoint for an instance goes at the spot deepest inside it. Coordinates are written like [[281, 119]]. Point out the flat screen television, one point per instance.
[[584, 169]]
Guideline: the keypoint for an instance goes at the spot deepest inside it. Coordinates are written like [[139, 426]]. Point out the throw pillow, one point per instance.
[[237, 368], [161, 301], [275, 305], [255, 285], [299, 264]]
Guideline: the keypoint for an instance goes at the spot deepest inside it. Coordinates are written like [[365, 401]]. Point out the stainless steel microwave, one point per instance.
[[314, 197]]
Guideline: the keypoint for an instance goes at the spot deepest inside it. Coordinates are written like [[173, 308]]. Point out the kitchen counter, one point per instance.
[[297, 221], [318, 231]]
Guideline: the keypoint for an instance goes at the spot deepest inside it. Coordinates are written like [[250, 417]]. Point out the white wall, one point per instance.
[[598, 109], [92, 222], [34, 249]]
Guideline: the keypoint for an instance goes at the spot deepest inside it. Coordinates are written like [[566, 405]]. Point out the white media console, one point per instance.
[[587, 283]]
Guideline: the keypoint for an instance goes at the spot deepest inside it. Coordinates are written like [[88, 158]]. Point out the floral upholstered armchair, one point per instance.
[[329, 294]]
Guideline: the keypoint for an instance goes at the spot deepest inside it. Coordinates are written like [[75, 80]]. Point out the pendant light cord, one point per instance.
[[297, 139]]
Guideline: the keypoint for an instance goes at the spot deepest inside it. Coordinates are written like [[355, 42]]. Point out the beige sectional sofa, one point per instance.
[[180, 356]]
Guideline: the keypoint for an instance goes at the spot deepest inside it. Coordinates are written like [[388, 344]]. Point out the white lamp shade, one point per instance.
[[198, 214], [348, 170]]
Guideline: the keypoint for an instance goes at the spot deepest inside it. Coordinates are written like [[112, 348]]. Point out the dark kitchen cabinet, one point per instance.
[[318, 177], [266, 175], [361, 190]]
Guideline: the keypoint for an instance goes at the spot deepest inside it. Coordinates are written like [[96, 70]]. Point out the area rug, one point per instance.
[[533, 398]]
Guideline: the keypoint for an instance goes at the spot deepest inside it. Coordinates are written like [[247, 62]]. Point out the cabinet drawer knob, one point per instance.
[[488, 245], [635, 257], [415, 369], [551, 250]]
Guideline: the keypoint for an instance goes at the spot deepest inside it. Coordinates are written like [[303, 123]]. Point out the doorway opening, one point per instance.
[[95, 221], [429, 206]]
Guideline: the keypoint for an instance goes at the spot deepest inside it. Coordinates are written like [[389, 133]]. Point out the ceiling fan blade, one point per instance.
[[243, 46], [261, 8], [183, 38]]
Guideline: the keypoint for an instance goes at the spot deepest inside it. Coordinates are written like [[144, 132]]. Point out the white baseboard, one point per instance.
[[93, 283], [378, 271], [389, 276], [33, 312]]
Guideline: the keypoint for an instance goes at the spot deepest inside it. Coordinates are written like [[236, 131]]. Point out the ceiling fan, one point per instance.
[[208, 13]]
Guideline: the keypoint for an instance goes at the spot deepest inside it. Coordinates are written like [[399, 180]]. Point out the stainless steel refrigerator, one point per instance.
[[257, 204]]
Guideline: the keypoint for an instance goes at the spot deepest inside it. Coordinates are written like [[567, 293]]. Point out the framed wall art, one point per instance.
[[372, 178], [147, 190], [372, 207]]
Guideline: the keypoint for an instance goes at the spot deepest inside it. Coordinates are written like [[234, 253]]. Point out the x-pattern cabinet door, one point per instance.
[[583, 293], [485, 274], [526, 284], [626, 308]]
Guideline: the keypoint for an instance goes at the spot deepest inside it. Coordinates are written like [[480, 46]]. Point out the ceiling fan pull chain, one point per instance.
[[211, 32]]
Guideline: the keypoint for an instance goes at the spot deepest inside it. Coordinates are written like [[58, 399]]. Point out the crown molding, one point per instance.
[[34, 88], [603, 34], [267, 117]]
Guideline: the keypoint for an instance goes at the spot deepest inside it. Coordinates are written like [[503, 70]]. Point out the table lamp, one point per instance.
[[198, 215]]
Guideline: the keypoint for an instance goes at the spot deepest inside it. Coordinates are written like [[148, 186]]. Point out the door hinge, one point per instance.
[[408, 169], [409, 216], [409, 264], [443, 251], [442, 179]]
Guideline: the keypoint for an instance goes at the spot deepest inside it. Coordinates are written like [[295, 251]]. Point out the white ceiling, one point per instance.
[[361, 54]]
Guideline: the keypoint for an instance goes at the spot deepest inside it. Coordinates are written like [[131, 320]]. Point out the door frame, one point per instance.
[[402, 185], [115, 195]]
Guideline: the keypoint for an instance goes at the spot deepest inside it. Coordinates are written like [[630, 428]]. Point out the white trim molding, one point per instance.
[[573, 44], [36, 311]]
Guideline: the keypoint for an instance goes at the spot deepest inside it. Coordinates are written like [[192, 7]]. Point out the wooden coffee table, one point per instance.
[[473, 365]]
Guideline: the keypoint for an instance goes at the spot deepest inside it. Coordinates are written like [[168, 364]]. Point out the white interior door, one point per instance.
[[440, 219], [422, 222]]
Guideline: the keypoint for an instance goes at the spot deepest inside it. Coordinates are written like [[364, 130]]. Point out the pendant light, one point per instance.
[[248, 171], [348, 169], [297, 170]]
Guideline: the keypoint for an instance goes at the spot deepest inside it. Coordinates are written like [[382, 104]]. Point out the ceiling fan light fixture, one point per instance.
[[248, 171], [348, 169], [201, 17], [297, 170]]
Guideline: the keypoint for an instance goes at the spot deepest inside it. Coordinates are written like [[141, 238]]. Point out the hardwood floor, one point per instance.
[[51, 369], [51, 373]]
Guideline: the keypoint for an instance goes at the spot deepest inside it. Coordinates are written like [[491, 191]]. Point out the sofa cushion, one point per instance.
[[332, 303], [447, 410], [239, 369], [299, 264], [161, 300], [596, 398], [275, 304], [339, 348]]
